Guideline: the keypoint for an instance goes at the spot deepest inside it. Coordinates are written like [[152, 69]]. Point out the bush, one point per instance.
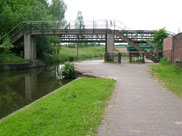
[[4, 68], [164, 61], [71, 58], [5, 46], [68, 70]]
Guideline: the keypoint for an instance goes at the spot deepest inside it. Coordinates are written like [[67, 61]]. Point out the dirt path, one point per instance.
[[139, 105]]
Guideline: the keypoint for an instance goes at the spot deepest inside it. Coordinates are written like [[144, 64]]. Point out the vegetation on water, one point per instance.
[[170, 75], [74, 110], [68, 71]]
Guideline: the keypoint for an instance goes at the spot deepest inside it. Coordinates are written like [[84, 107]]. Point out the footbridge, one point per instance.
[[108, 32]]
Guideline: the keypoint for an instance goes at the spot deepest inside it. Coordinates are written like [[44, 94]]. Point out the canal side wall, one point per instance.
[[25, 65]]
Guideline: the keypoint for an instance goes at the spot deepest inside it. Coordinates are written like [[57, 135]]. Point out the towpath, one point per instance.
[[139, 106]]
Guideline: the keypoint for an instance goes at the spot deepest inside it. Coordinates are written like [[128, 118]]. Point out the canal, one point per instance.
[[21, 87]]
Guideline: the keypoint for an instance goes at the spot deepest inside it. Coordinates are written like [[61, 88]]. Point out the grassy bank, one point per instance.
[[74, 110], [10, 58], [65, 54], [170, 75], [83, 53], [70, 54]]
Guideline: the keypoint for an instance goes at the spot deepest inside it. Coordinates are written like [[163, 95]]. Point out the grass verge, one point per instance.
[[10, 58], [74, 110], [70, 54], [83, 53], [170, 75]]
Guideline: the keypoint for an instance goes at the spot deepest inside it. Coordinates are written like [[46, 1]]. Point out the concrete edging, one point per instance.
[[24, 65]]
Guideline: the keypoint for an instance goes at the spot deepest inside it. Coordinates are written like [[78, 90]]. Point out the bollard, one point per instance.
[[143, 57], [119, 57]]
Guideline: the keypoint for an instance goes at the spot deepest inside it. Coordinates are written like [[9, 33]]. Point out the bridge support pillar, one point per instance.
[[109, 52], [29, 46]]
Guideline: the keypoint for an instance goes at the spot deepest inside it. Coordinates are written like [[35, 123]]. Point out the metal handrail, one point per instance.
[[11, 30], [18, 30], [93, 24], [59, 24]]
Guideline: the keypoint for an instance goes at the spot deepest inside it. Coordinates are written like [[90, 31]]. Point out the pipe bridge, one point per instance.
[[108, 32]]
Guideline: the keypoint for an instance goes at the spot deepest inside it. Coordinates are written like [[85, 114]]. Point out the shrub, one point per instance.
[[5, 46], [164, 61], [68, 70], [71, 58], [4, 68]]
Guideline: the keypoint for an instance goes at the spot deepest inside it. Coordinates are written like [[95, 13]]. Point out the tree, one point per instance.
[[5, 46], [79, 23], [157, 39], [12, 12], [57, 9]]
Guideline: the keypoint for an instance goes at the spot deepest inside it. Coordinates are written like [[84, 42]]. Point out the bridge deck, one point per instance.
[[94, 35]]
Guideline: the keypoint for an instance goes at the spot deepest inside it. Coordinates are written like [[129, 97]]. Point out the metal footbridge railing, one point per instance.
[[84, 31], [92, 26]]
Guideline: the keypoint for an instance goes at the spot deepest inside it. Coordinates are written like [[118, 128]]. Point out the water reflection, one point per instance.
[[30, 86], [19, 88]]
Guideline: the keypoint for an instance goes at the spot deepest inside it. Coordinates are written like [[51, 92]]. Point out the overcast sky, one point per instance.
[[136, 14]]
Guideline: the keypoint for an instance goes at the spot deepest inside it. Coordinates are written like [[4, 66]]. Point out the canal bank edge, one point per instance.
[[38, 100], [24, 65], [69, 111]]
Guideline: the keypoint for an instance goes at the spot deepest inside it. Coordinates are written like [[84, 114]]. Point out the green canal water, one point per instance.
[[20, 88]]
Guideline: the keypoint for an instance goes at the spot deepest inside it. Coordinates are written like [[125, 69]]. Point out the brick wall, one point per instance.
[[177, 41], [167, 47]]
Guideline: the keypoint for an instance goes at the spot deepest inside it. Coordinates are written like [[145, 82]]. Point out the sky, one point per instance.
[[135, 14]]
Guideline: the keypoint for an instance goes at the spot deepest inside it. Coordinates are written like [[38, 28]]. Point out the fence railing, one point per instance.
[[86, 24], [62, 24]]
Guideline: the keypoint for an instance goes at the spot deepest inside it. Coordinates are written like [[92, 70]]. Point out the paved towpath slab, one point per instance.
[[139, 106]]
